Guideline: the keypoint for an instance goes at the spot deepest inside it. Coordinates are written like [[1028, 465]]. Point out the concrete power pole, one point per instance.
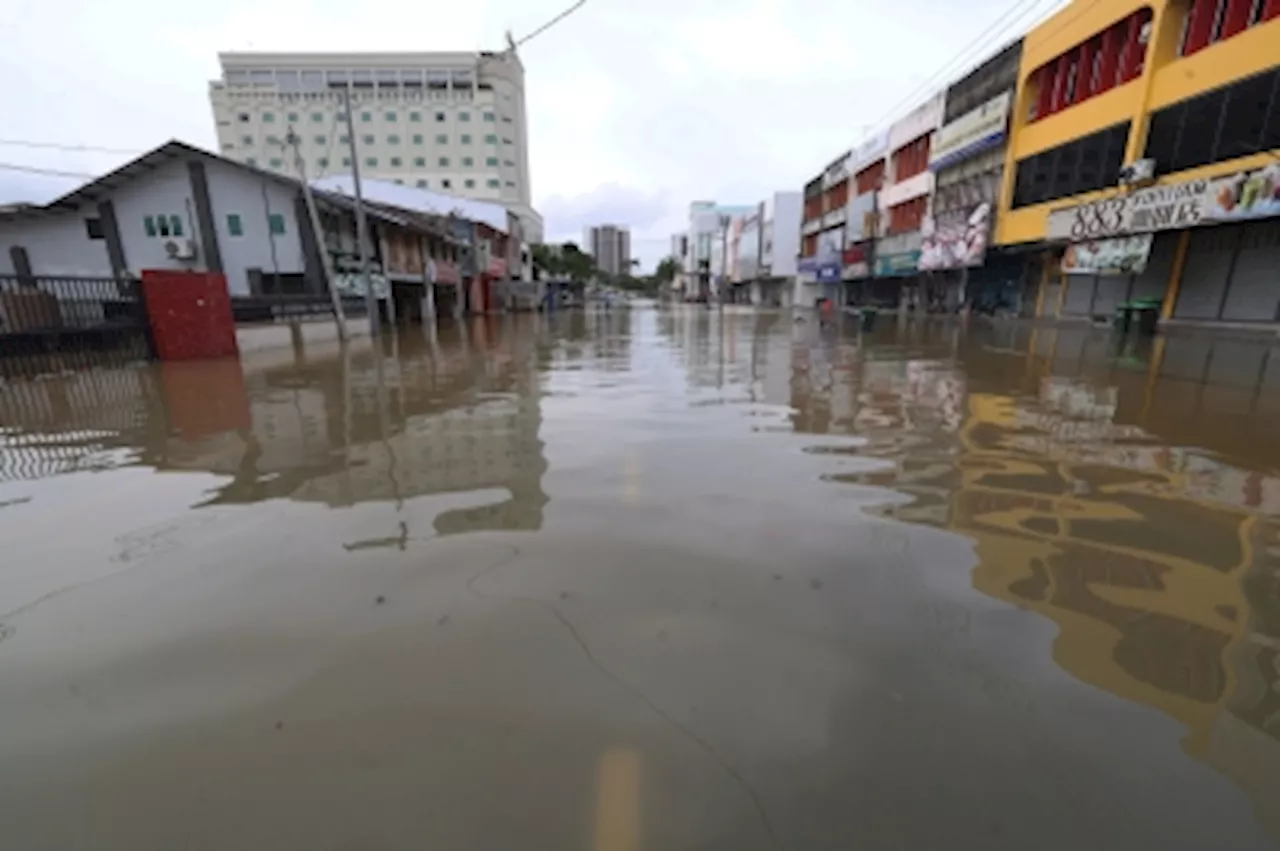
[[362, 224], [326, 262]]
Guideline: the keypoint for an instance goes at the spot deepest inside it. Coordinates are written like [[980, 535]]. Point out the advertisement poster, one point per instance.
[[1123, 255], [955, 240], [1248, 195]]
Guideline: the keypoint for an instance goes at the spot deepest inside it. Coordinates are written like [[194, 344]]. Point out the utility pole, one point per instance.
[[326, 262], [362, 224]]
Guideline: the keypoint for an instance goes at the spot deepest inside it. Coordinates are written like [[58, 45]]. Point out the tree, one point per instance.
[[579, 267], [667, 270]]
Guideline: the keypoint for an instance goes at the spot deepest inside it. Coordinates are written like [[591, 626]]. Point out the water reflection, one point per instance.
[[1124, 494], [453, 412]]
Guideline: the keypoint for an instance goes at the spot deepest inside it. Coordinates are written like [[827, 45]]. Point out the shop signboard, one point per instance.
[[871, 149], [352, 284], [828, 273], [897, 255], [956, 239], [898, 265], [836, 172], [856, 260], [1247, 195], [1121, 255], [977, 130], [1236, 197]]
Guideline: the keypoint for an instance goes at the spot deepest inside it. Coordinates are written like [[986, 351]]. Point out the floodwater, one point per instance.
[[645, 581]]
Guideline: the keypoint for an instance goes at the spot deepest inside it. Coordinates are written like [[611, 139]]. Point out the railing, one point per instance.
[[51, 305], [51, 324], [291, 308]]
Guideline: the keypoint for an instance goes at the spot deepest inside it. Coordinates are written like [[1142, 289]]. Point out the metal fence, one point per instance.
[[291, 307], [51, 323]]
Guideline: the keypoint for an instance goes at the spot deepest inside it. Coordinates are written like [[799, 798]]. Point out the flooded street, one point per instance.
[[647, 580]]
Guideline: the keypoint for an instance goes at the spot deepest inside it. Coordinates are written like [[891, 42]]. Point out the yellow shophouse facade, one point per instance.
[[1145, 146]]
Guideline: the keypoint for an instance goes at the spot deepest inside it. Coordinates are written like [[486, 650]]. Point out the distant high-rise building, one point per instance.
[[610, 245], [453, 122]]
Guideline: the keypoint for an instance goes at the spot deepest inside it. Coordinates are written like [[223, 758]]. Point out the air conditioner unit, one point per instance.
[[1138, 172], [180, 249]]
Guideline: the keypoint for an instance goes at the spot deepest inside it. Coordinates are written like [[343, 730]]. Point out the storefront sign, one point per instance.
[[836, 172], [897, 265], [975, 131], [957, 239], [1151, 209], [348, 284], [1246, 195], [871, 149], [828, 273], [1122, 255], [856, 260]]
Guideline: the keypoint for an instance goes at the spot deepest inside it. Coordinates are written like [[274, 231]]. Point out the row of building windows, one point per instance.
[[911, 159], [909, 215], [390, 115], [395, 162], [392, 139], [1211, 21], [1223, 124], [870, 178], [1083, 165], [167, 225], [1110, 58]]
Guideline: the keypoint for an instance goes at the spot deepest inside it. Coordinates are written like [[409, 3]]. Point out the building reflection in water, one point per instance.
[[1067, 458], [456, 412], [1159, 563]]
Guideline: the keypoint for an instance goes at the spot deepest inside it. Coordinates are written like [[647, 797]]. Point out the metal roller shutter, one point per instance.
[[1255, 278], [1079, 294], [1155, 278], [1112, 289], [1204, 276]]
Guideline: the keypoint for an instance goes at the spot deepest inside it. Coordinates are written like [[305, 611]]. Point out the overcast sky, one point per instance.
[[636, 107]]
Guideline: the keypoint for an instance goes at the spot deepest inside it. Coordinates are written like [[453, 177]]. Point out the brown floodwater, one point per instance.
[[647, 580]]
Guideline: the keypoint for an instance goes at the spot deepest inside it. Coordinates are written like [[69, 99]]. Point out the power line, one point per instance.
[[548, 25], [58, 146], [980, 43], [46, 171]]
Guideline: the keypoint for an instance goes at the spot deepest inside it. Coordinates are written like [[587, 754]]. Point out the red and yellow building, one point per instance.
[[1157, 118]]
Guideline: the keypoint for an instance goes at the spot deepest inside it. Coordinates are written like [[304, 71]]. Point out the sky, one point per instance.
[[635, 108]]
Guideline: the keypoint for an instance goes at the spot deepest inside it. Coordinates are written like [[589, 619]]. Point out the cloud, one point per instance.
[[635, 108], [609, 203]]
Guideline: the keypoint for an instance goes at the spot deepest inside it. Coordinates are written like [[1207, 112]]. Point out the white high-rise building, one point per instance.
[[610, 245], [451, 122]]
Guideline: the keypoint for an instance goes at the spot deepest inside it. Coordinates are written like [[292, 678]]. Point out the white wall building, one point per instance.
[[610, 246], [453, 121], [222, 217]]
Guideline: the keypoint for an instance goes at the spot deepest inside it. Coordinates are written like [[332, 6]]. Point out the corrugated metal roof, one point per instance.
[[490, 213]]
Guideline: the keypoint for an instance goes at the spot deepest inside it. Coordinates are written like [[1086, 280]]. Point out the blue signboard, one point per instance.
[[828, 273]]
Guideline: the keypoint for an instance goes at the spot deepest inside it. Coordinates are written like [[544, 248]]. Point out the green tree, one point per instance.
[[580, 267], [667, 270]]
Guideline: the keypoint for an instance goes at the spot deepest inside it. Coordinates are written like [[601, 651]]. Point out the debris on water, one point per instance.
[[815, 584], [443, 621], [564, 595], [381, 599], [279, 725]]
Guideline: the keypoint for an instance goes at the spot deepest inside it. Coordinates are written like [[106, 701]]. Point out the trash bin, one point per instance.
[[1123, 319], [868, 318], [1148, 319]]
